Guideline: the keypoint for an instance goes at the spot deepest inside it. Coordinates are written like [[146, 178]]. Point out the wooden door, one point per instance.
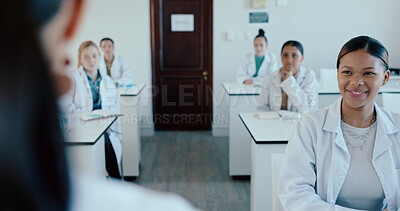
[[181, 43]]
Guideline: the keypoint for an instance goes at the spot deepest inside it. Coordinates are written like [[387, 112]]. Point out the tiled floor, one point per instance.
[[194, 165]]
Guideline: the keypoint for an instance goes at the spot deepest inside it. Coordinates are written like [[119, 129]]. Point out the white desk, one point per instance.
[[131, 143], [268, 136], [84, 144], [242, 98]]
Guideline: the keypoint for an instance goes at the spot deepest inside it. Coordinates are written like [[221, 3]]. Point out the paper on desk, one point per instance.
[[289, 115], [98, 114], [267, 115]]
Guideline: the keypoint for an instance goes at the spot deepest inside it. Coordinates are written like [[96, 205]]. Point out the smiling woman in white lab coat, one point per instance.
[[255, 66], [114, 65], [90, 91], [347, 156], [292, 87]]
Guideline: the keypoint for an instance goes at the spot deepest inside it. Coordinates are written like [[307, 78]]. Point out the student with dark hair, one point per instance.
[[347, 156], [33, 170], [292, 87], [255, 66], [114, 65]]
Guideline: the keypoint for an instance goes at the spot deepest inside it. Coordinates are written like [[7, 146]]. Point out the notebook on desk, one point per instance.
[[98, 114]]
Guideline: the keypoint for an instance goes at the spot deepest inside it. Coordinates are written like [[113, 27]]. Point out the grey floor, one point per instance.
[[194, 165]]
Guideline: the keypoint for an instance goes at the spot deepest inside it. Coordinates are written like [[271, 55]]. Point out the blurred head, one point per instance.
[[107, 47], [292, 55], [89, 56], [260, 43], [362, 68], [34, 32]]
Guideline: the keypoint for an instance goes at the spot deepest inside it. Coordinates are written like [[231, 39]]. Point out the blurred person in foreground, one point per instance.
[[34, 174]]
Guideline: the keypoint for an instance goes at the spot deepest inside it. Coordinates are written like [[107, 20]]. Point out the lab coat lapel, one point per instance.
[[299, 78], [88, 91], [340, 154], [264, 63], [385, 126], [252, 64], [277, 91], [114, 66]]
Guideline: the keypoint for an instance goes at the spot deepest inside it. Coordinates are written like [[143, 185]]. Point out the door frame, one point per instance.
[[208, 47]]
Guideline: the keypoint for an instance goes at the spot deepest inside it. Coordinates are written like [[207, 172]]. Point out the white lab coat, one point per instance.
[[79, 100], [317, 160], [120, 70], [247, 68], [91, 193], [301, 91]]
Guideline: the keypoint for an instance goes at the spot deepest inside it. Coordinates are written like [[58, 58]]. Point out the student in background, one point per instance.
[[255, 66], [114, 65], [292, 87], [33, 170], [90, 91], [347, 156]]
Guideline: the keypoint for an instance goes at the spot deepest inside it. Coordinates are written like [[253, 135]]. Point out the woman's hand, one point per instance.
[[248, 81], [286, 73]]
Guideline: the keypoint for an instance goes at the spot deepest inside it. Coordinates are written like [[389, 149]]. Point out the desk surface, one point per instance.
[[86, 133], [241, 89], [131, 91], [267, 131]]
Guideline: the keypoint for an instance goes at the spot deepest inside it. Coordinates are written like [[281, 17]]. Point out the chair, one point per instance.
[[276, 163], [391, 101]]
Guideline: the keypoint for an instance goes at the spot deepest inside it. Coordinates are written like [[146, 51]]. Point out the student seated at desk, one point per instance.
[[34, 172], [114, 65], [93, 90], [292, 87], [255, 66], [347, 156]]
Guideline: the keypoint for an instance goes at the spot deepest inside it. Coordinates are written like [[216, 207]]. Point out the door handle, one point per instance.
[[205, 75]]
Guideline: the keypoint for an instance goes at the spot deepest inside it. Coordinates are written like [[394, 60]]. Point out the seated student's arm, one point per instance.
[[304, 97], [126, 75], [263, 98], [242, 74], [297, 178]]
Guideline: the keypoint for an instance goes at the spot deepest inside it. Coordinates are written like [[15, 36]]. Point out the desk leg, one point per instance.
[[261, 175], [88, 158], [131, 143]]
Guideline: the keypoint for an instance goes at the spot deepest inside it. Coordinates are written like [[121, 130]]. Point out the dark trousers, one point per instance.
[[111, 159]]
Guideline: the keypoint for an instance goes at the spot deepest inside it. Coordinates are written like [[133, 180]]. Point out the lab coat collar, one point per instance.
[[332, 122], [385, 126], [267, 58], [82, 73]]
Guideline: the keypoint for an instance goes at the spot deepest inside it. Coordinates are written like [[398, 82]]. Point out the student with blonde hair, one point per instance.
[[90, 91]]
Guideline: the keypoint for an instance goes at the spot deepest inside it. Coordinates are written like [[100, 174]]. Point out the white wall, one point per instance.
[[321, 26], [127, 22]]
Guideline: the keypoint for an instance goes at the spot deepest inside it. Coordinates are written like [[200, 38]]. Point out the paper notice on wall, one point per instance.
[[258, 17], [182, 22]]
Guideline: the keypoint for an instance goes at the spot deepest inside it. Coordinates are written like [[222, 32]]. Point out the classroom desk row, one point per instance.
[[85, 141], [252, 140], [243, 98]]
